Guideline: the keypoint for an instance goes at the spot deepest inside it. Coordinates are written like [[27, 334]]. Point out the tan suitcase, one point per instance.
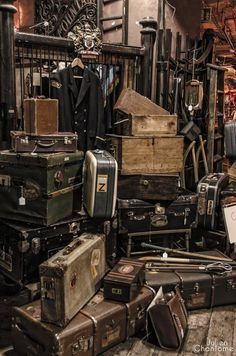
[[40, 116]]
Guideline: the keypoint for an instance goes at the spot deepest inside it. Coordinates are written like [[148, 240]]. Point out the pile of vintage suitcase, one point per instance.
[[83, 235]]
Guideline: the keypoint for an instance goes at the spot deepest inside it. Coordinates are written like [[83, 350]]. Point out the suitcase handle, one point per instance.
[[45, 145]]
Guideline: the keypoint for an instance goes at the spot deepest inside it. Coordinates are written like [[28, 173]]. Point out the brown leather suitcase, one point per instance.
[[124, 281], [109, 320], [31, 336], [50, 143], [136, 311], [40, 116], [72, 277], [199, 290]]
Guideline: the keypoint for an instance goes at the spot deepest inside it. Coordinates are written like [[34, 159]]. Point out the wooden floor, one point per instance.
[[210, 332]]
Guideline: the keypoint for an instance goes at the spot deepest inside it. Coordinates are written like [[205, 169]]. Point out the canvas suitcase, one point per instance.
[[100, 184], [208, 190], [124, 281], [40, 188], [230, 139], [199, 290], [51, 143], [148, 155], [72, 277], [40, 116], [31, 336], [140, 216], [24, 246], [148, 187]]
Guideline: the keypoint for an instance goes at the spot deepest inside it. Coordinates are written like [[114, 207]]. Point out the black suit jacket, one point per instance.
[[81, 106]]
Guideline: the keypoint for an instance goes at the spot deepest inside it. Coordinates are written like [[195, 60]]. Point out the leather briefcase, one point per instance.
[[72, 277], [167, 319], [124, 281], [51, 143]]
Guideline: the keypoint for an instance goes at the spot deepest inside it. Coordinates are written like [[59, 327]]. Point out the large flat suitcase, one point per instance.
[[31, 336], [148, 186], [41, 116], [230, 139], [72, 277], [23, 247], [148, 155], [40, 188], [140, 216], [199, 290], [51, 143], [100, 184], [208, 190]]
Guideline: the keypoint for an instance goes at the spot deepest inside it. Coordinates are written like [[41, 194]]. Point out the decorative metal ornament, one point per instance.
[[62, 16], [86, 39]]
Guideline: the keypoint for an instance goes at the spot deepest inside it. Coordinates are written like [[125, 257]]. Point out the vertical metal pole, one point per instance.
[[7, 73], [148, 36]]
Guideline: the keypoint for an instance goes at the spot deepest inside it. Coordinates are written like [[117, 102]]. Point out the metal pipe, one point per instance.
[[7, 73]]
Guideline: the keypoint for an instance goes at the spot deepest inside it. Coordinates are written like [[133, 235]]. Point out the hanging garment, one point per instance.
[[81, 107]]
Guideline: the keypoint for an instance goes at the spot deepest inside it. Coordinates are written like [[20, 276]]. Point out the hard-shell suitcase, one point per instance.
[[148, 186], [208, 190], [100, 184], [230, 139], [109, 320], [136, 310], [24, 246], [140, 216], [31, 336], [40, 116], [72, 277], [40, 188], [199, 290], [51, 143], [124, 281]]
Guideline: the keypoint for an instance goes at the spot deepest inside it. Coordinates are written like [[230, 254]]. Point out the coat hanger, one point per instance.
[[77, 63]]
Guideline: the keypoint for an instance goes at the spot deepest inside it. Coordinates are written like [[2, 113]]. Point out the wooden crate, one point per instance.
[[149, 154], [147, 125]]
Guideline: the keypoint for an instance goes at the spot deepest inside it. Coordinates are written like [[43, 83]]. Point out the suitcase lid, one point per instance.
[[40, 159], [126, 272]]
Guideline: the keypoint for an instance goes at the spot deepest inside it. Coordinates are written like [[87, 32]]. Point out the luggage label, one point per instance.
[[112, 333], [83, 344]]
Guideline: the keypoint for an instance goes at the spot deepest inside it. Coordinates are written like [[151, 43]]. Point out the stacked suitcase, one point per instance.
[[150, 158]]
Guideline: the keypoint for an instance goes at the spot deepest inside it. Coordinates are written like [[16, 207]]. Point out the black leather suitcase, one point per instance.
[[140, 216], [148, 186], [100, 184], [208, 208], [40, 188], [24, 246]]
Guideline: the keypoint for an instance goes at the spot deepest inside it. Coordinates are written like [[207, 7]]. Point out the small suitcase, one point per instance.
[[124, 281], [40, 188], [51, 143], [72, 277], [31, 336], [100, 184], [40, 116], [140, 216], [208, 190], [24, 246], [148, 187], [136, 311], [230, 139]]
